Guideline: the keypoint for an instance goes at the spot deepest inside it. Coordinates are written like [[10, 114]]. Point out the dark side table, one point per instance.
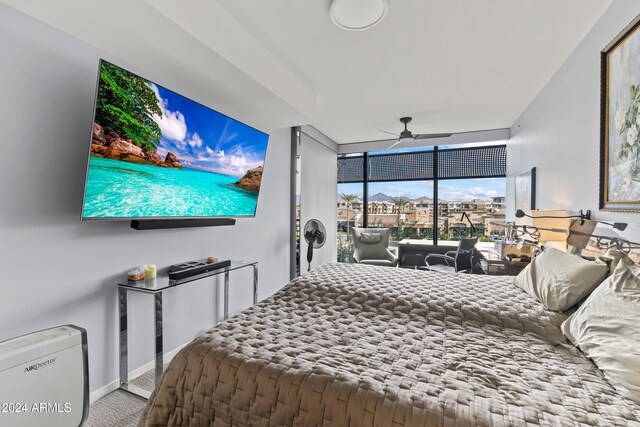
[[155, 287], [501, 267]]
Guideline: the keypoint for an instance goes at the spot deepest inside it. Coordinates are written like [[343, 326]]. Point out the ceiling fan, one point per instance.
[[406, 133]]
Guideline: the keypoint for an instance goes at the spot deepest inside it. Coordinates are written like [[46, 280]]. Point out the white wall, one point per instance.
[[318, 196], [559, 132], [57, 270]]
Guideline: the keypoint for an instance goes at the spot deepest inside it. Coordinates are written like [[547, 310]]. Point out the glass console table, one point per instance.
[[156, 287]]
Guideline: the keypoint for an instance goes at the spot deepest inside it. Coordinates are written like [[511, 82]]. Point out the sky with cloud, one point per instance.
[[448, 189], [204, 139]]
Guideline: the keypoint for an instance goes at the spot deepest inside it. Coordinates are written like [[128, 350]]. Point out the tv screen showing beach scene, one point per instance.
[[157, 154]]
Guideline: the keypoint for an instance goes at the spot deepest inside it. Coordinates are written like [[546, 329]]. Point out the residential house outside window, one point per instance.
[[471, 208]]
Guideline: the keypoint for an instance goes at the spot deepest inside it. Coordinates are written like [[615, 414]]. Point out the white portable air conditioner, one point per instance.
[[44, 378]]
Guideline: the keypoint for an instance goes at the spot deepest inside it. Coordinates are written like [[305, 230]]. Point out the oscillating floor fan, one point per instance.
[[315, 234]]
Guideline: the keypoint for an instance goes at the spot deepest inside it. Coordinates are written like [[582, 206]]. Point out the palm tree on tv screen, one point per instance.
[[126, 104]]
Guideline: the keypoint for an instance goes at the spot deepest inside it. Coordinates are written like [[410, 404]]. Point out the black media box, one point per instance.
[[193, 268]]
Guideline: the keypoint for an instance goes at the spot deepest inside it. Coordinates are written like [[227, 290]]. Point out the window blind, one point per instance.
[[472, 162]]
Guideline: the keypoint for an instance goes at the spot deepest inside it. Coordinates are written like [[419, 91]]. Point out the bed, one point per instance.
[[359, 345]]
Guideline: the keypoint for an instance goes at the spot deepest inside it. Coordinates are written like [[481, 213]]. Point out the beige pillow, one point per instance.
[[612, 258], [606, 328], [559, 279], [370, 237]]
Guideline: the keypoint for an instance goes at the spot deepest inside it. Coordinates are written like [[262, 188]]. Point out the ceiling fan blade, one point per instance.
[[394, 144], [432, 135], [390, 133]]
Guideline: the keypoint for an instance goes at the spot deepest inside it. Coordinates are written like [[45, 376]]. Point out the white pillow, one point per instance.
[[559, 279], [606, 328]]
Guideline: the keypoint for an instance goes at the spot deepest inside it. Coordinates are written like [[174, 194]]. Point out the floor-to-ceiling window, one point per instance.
[[350, 202], [406, 207], [429, 193], [471, 208]]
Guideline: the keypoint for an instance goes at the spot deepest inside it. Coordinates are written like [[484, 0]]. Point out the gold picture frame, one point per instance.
[[620, 121]]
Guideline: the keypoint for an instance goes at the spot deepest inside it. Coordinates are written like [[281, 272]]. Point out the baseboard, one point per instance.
[[103, 391]]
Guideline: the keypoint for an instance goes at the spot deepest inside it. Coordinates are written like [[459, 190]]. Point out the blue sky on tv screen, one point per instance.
[[204, 139]]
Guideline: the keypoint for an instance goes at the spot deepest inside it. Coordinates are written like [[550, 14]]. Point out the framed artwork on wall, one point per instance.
[[620, 121], [526, 190]]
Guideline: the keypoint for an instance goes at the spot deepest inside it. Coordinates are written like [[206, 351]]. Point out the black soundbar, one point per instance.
[[161, 224], [193, 268]]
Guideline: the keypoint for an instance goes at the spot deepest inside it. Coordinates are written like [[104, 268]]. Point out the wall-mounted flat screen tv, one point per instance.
[[157, 154]]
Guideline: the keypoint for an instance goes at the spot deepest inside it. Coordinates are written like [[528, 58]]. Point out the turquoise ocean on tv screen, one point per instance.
[[117, 189]]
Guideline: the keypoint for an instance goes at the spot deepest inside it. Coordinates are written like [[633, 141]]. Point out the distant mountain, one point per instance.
[[379, 197]]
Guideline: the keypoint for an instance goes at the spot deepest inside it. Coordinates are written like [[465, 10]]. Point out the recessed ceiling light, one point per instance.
[[357, 15]]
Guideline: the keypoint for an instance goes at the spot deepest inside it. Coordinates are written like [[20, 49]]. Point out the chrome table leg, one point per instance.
[[255, 284], [124, 351], [226, 294], [158, 344]]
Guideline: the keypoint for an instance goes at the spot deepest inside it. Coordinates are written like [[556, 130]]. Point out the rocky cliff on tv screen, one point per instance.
[[156, 154]]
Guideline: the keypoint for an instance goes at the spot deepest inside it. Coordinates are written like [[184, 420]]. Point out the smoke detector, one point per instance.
[[357, 15]]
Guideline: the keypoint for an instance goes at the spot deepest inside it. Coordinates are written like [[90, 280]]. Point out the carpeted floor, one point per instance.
[[119, 408]]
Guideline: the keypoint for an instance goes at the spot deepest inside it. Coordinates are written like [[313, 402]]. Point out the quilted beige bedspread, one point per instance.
[[358, 345]]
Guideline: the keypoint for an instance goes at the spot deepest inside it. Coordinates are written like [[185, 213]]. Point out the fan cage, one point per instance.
[[321, 228]]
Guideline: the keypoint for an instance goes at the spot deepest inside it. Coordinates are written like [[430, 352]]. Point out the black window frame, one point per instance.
[[495, 167]]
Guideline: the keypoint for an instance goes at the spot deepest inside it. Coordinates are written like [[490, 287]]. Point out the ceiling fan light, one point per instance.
[[357, 15]]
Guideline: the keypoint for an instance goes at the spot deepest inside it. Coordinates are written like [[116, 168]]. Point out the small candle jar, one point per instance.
[[136, 274]]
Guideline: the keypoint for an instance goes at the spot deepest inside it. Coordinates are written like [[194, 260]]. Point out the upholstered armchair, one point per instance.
[[372, 246]]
